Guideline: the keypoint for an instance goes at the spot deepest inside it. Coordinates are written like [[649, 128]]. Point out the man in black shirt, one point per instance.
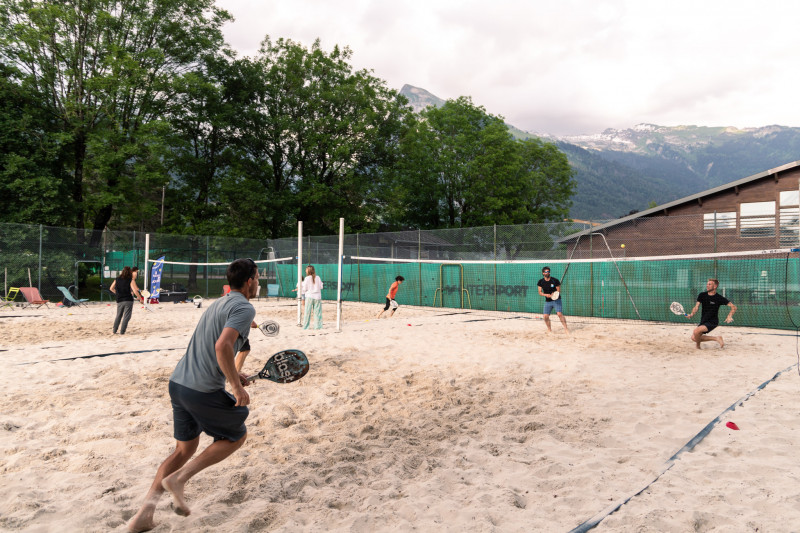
[[709, 318], [547, 286]]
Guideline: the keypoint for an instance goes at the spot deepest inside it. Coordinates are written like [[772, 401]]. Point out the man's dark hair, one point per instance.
[[399, 278], [240, 271], [135, 269], [545, 268]]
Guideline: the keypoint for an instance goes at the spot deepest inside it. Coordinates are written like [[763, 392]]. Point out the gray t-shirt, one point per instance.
[[198, 369]]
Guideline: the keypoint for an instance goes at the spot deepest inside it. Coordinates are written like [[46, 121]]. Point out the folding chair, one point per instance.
[[8, 299], [32, 297], [70, 298]]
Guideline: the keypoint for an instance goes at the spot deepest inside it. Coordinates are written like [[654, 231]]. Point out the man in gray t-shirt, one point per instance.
[[199, 369], [200, 402]]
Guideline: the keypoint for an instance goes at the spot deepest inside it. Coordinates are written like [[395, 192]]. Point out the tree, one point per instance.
[[462, 168], [31, 159], [316, 140], [106, 68]]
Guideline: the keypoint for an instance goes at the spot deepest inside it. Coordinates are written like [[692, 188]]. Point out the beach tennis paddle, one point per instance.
[[284, 367], [677, 308], [393, 303], [555, 295], [270, 328]]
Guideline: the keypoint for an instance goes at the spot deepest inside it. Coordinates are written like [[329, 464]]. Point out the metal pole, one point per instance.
[[146, 261], [299, 267], [358, 267], [40, 259], [206, 267], [339, 289], [163, 188], [715, 242]]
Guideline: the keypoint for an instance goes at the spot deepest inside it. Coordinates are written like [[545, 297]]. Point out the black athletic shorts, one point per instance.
[[194, 412], [709, 325], [246, 346]]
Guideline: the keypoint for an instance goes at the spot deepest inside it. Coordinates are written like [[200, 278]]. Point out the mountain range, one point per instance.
[[622, 171]]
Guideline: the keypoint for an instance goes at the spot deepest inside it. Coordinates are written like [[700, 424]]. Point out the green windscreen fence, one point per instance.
[[764, 286]]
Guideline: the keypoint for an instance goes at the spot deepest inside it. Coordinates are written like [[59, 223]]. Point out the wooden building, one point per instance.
[[760, 212]]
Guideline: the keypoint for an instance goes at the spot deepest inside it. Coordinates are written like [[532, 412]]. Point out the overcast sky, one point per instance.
[[562, 67]]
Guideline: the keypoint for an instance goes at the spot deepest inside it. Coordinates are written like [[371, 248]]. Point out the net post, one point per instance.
[[147, 261], [299, 267], [339, 285]]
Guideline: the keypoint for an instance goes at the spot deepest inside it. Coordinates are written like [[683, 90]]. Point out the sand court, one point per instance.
[[432, 420]]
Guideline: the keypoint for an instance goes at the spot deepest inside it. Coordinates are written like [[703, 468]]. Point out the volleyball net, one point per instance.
[[764, 285], [175, 276]]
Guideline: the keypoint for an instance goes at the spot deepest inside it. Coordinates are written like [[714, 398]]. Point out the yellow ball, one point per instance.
[[622, 246]]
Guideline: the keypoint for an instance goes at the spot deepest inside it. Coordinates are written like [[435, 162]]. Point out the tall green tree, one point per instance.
[[107, 69], [317, 139], [32, 179], [462, 168]]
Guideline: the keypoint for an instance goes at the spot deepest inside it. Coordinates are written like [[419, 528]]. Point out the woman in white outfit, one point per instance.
[[312, 290]]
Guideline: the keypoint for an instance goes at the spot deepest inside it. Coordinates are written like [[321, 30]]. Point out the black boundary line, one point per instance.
[[501, 318], [17, 316], [595, 520], [773, 334], [96, 355]]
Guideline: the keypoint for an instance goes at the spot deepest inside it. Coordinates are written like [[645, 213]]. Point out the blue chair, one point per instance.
[[70, 298]]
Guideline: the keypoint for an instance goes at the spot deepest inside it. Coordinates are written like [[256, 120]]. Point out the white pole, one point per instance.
[[146, 261], [299, 267], [339, 289]]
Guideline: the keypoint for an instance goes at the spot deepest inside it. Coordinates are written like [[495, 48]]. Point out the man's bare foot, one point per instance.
[[143, 520], [175, 488], [698, 345], [721, 342]]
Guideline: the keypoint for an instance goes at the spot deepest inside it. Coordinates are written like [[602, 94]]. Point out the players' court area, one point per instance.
[[432, 420]]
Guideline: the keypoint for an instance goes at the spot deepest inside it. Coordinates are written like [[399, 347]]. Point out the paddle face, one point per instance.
[[284, 367], [146, 294], [555, 295], [677, 308], [198, 301], [270, 328]]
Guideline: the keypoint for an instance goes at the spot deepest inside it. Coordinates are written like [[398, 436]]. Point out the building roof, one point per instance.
[[693, 198]]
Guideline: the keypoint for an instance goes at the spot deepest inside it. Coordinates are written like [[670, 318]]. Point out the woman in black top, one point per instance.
[[125, 288]]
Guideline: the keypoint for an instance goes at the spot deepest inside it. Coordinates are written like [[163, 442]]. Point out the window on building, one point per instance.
[[789, 220], [719, 220], [790, 198], [757, 219]]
